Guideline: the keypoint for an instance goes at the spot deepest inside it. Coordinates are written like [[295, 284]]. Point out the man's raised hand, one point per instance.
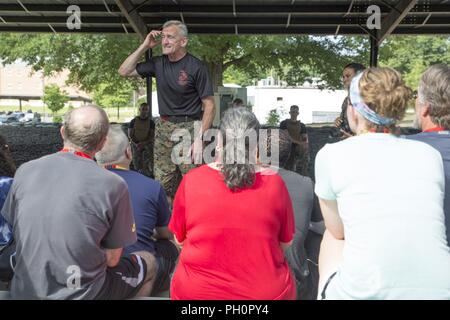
[[151, 39]]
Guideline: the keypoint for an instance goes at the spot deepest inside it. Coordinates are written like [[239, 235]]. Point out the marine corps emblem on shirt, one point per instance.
[[182, 78]]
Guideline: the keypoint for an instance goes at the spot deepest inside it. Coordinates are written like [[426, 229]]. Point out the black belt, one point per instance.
[[178, 119]]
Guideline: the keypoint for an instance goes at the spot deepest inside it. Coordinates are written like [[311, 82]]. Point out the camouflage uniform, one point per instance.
[[143, 129], [167, 172], [299, 160], [143, 159]]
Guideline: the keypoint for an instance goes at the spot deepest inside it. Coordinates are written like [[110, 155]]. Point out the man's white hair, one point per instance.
[[114, 150], [434, 89], [181, 26]]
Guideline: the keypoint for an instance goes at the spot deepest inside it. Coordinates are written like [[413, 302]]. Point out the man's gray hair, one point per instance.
[[181, 26], [434, 89], [85, 133], [114, 150]]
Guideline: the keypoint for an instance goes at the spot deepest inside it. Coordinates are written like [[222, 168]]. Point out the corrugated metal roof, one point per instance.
[[224, 16]]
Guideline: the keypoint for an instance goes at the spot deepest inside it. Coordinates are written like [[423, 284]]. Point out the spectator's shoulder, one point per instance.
[[36, 164], [111, 181], [295, 177], [419, 143], [143, 179], [155, 59], [272, 173], [327, 148], [198, 171]]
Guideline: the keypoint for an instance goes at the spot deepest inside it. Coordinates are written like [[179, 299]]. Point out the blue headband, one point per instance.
[[362, 108]]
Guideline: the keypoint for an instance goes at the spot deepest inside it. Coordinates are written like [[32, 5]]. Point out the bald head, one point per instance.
[[85, 128]]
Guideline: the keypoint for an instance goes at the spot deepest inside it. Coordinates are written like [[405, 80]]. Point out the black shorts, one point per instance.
[[166, 256], [124, 280]]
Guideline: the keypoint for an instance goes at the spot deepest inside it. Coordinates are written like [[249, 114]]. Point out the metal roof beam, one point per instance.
[[243, 9], [313, 30], [281, 21], [12, 7], [133, 17], [391, 21]]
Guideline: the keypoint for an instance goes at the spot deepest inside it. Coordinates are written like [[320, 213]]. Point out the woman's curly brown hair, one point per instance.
[[384, 91]]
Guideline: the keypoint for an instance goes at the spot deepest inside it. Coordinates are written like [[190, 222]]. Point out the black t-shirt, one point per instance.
[[133, 121], [142, 128], [345, 126], [294, 128], [181, 85]]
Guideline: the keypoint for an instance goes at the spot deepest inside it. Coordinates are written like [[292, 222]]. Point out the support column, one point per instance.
[[373, 50], [148, 87], [148, 82]]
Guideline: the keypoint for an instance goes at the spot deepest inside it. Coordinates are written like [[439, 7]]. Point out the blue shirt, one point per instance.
[[5, 228], [150, 208], [440, 140]]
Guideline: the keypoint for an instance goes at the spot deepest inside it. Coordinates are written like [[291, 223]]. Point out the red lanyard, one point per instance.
[[434, 129], [77, 153], [385, 130], [115, 166]]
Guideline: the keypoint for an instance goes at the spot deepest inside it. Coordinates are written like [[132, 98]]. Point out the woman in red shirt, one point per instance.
[[233, 221]]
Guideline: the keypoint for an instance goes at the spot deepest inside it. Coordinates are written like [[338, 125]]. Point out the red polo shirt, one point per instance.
[[231, 246]]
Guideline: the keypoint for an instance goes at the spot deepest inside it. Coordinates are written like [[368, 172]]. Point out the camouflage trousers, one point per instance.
[[143, 159], [299, 159], [167, 172]]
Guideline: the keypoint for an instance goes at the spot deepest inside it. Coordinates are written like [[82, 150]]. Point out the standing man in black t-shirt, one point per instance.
[[298, 160], [140, 133], [185, 95]]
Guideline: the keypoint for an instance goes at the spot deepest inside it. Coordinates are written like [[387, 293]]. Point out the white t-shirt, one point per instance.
[[390, 195]]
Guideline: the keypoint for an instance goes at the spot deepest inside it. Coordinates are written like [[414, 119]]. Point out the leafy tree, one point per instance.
[[273, 118], [294, 58], [91, 59], [94, 59], [57, 119], [54, 98], [120, 98], [412, 55]]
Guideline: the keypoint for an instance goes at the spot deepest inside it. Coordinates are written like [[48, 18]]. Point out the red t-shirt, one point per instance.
[[231, 246]]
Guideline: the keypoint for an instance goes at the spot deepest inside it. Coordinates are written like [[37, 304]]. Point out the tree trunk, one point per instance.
[[216, 72]]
